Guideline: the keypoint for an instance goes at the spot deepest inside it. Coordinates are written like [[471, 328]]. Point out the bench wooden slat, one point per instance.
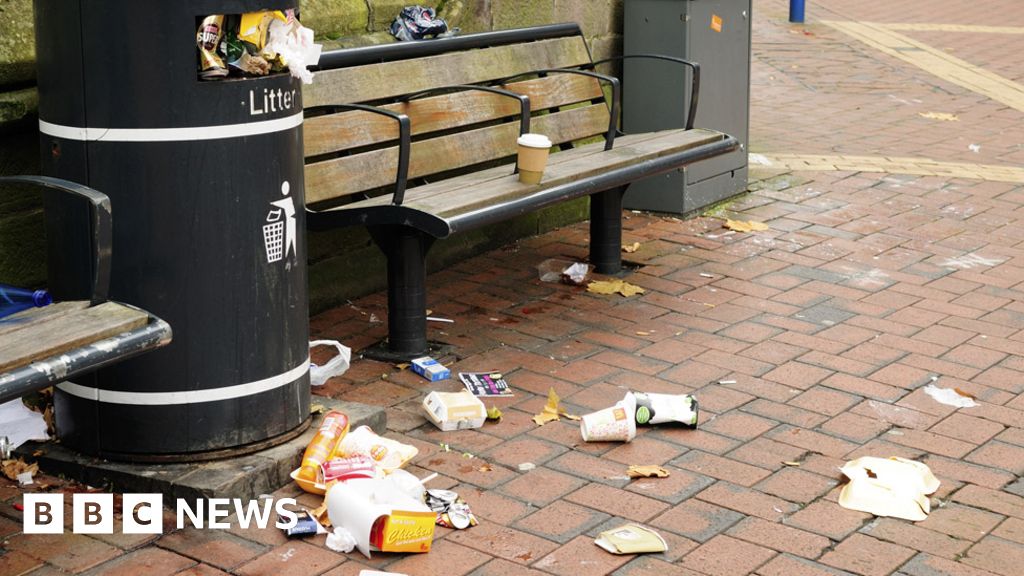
[[21, 319], [349, 130], [495, 185], [344, 176], [389, 79], [60, 333], [464, 186]]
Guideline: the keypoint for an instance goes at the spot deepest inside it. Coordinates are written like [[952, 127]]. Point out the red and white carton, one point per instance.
[[341, 469]]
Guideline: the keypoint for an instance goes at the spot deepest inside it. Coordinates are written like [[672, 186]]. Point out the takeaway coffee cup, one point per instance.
[[533, 157], [615, 424]]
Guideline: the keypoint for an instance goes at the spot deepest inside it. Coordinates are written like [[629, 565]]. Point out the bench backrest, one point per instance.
[[352, 153]]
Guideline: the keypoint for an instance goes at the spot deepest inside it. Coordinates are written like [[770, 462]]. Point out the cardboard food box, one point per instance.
[[381, 517], [454, 410]]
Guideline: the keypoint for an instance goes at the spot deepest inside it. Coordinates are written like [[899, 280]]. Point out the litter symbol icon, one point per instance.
[[279, 231]]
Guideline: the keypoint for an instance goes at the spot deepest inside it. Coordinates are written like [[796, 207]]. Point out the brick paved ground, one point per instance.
[[867, 286]]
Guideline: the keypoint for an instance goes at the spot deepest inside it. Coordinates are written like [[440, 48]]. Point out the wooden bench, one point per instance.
[[43, 346], [417, 141]]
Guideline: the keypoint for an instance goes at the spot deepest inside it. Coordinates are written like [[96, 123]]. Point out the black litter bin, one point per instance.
[[206, 186]]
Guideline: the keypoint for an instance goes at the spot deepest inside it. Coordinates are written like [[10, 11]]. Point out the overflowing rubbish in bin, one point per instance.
[[255, 44]]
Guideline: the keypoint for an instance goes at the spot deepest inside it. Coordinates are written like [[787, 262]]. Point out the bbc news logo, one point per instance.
[[143, 513]]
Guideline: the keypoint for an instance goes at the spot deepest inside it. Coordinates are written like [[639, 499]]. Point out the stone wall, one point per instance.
[[338, 23]]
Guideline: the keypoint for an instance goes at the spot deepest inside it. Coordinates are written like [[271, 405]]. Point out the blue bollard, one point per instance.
[[796, 11]]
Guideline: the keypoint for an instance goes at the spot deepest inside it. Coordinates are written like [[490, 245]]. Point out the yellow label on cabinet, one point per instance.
[[716, 22]]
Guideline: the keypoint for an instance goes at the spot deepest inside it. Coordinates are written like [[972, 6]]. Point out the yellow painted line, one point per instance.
[[937, 62], [922, 27], [890, 165]]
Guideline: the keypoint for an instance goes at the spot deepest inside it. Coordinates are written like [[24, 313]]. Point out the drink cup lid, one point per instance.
[[534, 141]]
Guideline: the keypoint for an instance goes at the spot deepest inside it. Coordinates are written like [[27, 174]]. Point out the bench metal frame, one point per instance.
[[74, 363], [405, 236]]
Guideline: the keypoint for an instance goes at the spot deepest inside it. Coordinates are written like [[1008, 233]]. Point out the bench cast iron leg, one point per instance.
[[406, 250], [606, 230]]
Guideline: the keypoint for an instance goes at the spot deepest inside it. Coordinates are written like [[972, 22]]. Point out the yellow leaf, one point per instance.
[[745, 226], [493, 413], [630, 248], [11, 468], [613, 286], [551, 409], [486, 468], [944, 116], [647, 471]]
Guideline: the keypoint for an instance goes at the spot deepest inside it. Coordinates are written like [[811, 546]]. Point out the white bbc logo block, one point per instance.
[[44, 514], [142, 514], [93, 513]]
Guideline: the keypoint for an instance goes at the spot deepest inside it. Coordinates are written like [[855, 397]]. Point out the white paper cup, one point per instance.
[[615, 424], [533, 157]]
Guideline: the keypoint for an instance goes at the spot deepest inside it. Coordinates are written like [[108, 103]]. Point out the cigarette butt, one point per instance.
[[726, 381]]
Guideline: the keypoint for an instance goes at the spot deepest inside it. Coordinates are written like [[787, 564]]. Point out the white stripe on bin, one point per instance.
[[170, 134], [186, 396]]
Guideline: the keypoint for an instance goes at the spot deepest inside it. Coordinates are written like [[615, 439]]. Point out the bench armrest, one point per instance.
[[99, 220], [523, 99], [609, 139], [694, 86], [404, 141]]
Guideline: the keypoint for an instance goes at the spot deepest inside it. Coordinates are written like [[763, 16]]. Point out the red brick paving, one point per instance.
[[828, 325]]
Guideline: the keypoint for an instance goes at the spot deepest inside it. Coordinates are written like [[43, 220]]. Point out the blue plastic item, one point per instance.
[[14, 299]]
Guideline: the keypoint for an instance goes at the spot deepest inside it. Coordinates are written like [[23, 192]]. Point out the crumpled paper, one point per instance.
[[294, 43], [745, 226], [647, 471], [613, 286], [894, 487], [949, 397], [20, 424]]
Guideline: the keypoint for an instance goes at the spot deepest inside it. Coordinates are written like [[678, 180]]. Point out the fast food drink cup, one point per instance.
[[533, 157], [615, 424]]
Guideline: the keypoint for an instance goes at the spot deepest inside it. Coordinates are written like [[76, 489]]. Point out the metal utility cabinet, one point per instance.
[[206, 186], [715, 34]]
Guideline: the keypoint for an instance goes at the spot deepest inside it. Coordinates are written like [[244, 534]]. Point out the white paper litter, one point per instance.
[[894, 487], [20, 424], [294, 42], [949, 397], [341, 540]]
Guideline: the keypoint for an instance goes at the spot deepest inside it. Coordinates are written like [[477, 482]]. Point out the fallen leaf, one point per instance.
[[613, 286], [745, 226], [792, 464], [493, 413], [647, 471], [11, 468], [945, 117], [551, 409], [965, 394], [317, 409], [630, 248], [486, 468], [402, 366]]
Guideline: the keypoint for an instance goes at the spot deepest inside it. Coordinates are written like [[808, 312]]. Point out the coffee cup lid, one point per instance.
[[534, 141]]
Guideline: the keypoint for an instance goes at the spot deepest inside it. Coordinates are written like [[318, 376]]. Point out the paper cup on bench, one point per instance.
[[615, 424], [533, 157]]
